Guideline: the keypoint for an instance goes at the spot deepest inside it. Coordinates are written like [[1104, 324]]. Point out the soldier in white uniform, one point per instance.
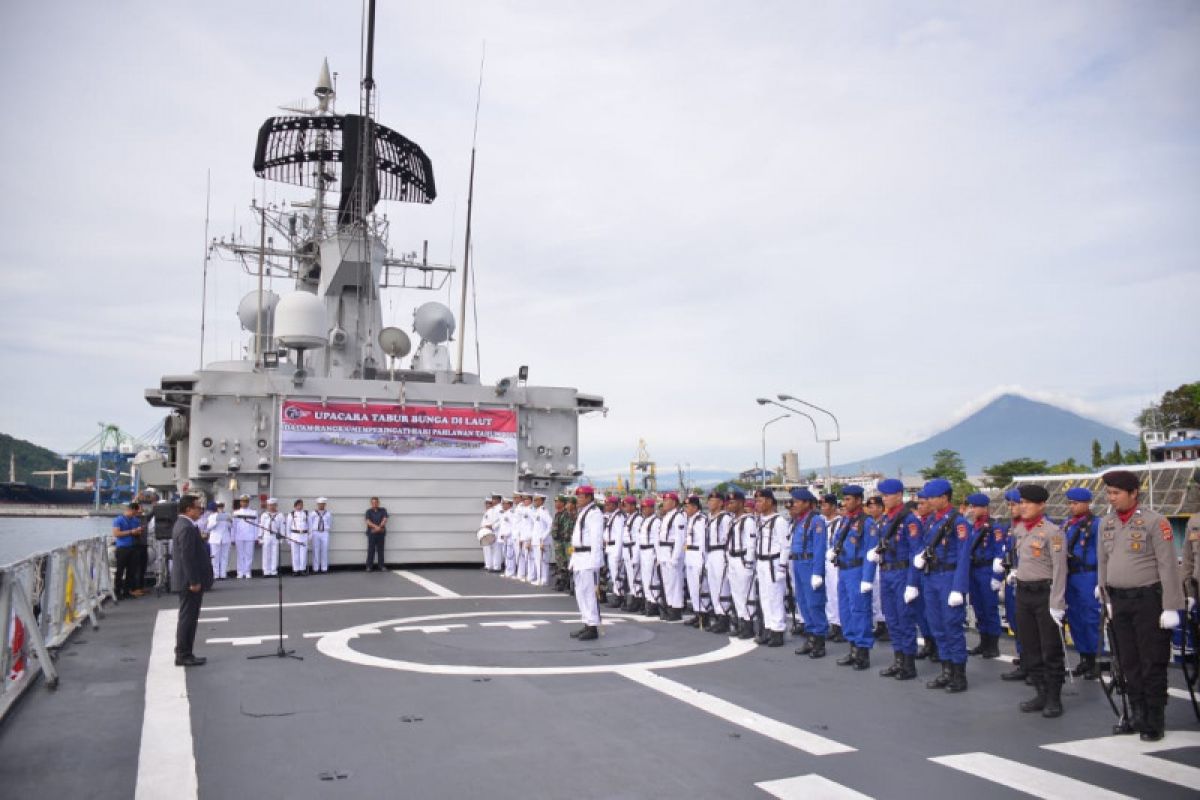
[[771, 552], [543, 544], [491, 520], [671, 535], [320, 523], [743, 535], [716, 565], [631, 560], [504, 533], [522, 530], [297, 528], [587, 554], [614, 531], [647, 539], [693, 562], [220, 537], [484, 524], [829, 510], [245, 536], [271, 528]]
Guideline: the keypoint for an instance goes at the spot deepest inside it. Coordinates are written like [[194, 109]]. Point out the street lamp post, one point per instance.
[[837, 428], [763, 466]]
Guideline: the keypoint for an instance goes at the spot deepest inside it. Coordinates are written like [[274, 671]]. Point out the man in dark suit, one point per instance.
[[191, 571]]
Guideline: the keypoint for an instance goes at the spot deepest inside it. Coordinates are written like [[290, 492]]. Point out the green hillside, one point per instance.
[[29, 458]]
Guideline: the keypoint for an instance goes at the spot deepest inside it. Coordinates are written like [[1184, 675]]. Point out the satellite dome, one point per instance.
[[394, 342], [434, 322], [248, 310], [300, 321]]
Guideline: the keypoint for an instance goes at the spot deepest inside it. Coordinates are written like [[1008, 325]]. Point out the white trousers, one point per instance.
[[533, 564], [539, 564], [510, 558], [220, 559], [487, 556], [740, 578], [612, 554], [672, 573], [718, 580], [772, 589], [299, 552], [245, 557], [647, 561], [585, 596], [497, 548], [831, 602], [694, 565], [876, 602], [318, 543], [633, 569], [270, 555]]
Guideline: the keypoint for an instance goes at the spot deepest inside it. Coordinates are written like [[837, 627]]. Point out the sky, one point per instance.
[[893, 211]]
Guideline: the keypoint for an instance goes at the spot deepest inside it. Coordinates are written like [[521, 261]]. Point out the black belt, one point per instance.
[[1135, 592], [582, 549], [693, 547], [849, 564], [646, 546], [980, 562], [1034, 586], [888, 566], [803, 556], [943, 568], [738, 553], [771, 557], [1076, 569]]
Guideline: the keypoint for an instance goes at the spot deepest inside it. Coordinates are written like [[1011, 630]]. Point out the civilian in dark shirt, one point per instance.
[[377, 518], [192, 573]]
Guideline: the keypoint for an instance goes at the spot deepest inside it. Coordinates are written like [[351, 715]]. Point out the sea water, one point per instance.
[[21, 537]]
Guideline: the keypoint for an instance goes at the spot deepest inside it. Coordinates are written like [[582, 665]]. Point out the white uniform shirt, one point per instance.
[[587, 539], [320, 521], [298, 521], [671, 535], [743, 537], [648, 533], [271, 520], [245, 527], [504, 524], [697, 530], [543, 521], [633, 526], [614, 528], [219, 528]]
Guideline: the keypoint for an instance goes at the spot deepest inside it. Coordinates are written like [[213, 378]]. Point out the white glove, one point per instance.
[[829, 554], [1058, 614], [817, 582], [998, 566], [1108, 608], [1191, 603], [1169, 619], [1011, 580], [1097, 592], [910, 593], [955, 599], [867, 586], [996, 585], [873, 556], [919, 561]]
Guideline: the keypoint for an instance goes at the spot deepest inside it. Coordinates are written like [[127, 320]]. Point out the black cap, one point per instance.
[[693, 500], [767, 493], [1033, 492], [832, 499], [875, 500], [1121, 479]]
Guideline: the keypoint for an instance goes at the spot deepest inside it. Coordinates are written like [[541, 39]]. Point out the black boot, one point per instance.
[[1018, 674], [894, 669], [1087, 663], [864, 659], [958, 679], [615, 601], [1037, 703], [720, 624], [1155, 724], [675, 614], [934, 656], [818, 650], [848, 659], [578, 633], [775, 639], [1135, 722], [664, 612], [835, 634], [881, 632], [923, 650], [1053, 699], [589, 633], [805, 648], [908, 668], [651, 610], [746, 629], [991, 647], [941, 680], [692, 621]]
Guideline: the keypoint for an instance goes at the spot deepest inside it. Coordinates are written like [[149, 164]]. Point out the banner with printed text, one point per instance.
[[385, 432]]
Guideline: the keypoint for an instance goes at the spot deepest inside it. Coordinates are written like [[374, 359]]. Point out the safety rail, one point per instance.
[[43, 599]]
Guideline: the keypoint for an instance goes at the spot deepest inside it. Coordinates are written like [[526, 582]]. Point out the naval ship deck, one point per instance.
[[449, 683]]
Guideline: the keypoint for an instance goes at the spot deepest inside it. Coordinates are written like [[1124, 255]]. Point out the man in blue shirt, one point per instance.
[[126, 531], [854, 538]]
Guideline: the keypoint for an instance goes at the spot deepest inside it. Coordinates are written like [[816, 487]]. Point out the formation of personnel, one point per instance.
[[516, 536], [306, 532], [741, 566]]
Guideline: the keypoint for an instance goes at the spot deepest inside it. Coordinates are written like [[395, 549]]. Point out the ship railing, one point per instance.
[[43, 599]]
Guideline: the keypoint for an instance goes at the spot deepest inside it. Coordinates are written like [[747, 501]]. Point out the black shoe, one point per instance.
[[1038, 702], [991, 647], [580, 632], [941, 680], [1018, 674], [746, 629], [848, 659], [894, 669], [1155, 724], [588, 633], [908, 668], [775, 639], [720, 625], [1087, 663], [818, 650], [958, 679], [805, 648], [1053, 700], [835, 634], [675, 615], [863, 660], [190, 661], [651, 610], [881, 632]]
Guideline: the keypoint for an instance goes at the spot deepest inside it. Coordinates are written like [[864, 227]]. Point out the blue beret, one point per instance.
[[922, 494], [212, 505], [852, 491], [736, 494], [890, 486], [938, 487], [979, 499], [804, 495], [1079, 494], [1012, 496]]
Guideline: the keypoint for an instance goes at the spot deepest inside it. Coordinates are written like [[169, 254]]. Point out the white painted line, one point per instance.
[[608, 621], [753, 721], [166, 761], [427, 628], [1006, 659], [810, 787], [526, 625], [436, 588], [213, 619], [1130, 753], [241, 641], [319, 634], [362, 600], [1024, 778], [1182, 694]]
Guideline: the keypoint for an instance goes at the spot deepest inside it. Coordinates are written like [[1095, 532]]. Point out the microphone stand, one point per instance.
[[280, 652]]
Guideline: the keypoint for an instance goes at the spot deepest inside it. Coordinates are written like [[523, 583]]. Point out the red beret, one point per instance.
[[586, 489]]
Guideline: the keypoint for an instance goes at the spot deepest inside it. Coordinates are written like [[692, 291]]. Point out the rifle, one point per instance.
[[1191, 628], [930, 552], [756, 604], [789, 600], [1116, 683]]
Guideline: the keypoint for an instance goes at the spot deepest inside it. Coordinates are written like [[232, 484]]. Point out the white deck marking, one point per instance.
[[362, 600], [166, 761], [810, 787], [1024, 778], [1182, 694], [1130, 753], [427, 628], [213, 619], [524, 625], [241, 641], [750, 720], [436, 588], [606, 621]]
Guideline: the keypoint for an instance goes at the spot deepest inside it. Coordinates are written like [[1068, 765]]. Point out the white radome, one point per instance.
[[247, 312], [300, 321], [433, 322]]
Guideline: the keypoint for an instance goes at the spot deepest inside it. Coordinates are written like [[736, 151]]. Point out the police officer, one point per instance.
[[984, 550], [946, 563], [587, 556], [716, 564], [928, 648], [809, 540], [693, 562], [855, 536], [1139, 579], [1082, 530], [770, 556], [740, 548], [671, 535], [899, 539]]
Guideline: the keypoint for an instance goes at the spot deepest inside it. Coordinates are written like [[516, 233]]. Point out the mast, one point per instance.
[[462, 305]]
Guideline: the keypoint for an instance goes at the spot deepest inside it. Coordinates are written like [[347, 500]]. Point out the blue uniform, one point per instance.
[[1083, 609], [948, 572], [1010, 590], [809, 536], [854, 538], [900, 538], [985, 548], [919, 604]]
